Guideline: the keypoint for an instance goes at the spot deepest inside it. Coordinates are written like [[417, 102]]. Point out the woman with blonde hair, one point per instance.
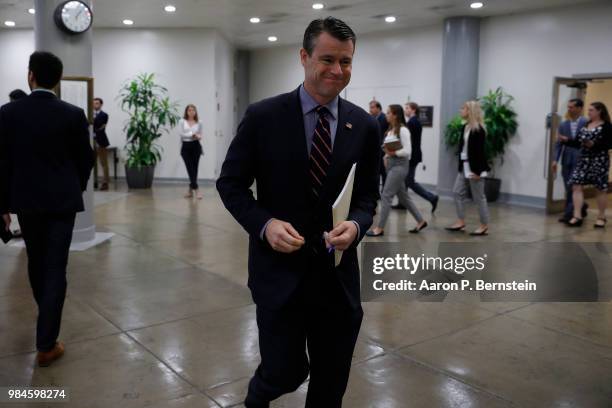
[[473, 167], [190, 129], [397, 155]]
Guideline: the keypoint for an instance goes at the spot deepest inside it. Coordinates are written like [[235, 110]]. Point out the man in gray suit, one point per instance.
[[567, 155]]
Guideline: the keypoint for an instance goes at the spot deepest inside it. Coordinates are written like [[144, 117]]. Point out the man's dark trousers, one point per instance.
[[319, 317], [416, 187], [47, 238]]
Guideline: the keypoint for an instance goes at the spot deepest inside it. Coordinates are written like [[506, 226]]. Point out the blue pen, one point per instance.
[[331, 248]]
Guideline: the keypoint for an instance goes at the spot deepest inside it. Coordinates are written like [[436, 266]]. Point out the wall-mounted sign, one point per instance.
[[426, 115]]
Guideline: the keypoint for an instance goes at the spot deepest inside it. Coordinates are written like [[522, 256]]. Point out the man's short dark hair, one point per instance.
[[578, 102], [47, 69], [331, 25], [99, 100], [414, 106], [17, 94], [376, 103]]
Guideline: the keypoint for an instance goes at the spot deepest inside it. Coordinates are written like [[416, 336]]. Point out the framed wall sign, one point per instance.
[[79, 92], [426, 115]]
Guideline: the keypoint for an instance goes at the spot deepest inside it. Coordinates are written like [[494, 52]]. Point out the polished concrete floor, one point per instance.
[[160, 316]]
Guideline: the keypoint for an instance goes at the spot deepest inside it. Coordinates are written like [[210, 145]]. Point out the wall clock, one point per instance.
[[73, 17]]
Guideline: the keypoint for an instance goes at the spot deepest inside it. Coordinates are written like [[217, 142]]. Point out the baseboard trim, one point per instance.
[[519, 200], [505, 198]]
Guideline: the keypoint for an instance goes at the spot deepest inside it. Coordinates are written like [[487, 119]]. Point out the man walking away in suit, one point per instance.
[[44, 167], [100, 122], [376, 112], [411, 109], [299, 148]]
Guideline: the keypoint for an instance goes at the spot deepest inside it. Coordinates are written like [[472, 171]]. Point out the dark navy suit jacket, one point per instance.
[[45, 155], [270, 149]]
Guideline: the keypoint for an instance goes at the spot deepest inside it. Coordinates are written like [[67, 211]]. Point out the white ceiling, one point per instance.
[[285, 19]]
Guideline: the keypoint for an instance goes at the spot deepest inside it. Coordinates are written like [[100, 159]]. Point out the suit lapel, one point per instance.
[[298, 151]]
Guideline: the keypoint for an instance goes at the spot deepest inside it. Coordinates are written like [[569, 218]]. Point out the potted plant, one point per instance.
[[150, 114], [500, 122]]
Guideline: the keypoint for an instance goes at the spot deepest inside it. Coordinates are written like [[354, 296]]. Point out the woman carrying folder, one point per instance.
[[397, 154]]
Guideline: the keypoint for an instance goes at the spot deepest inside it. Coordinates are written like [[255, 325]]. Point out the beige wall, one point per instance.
[[600, 92]]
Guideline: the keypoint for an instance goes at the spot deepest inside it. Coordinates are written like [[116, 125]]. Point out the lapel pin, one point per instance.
[[349, 125]]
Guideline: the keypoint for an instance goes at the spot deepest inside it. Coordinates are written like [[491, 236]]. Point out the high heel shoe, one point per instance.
[[456, 229], [418, 229], [603, 225], [484, 231], [371, 233], [575, 222]]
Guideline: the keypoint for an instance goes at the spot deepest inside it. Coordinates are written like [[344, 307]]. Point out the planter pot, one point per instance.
[[492, 187], [139, 177]]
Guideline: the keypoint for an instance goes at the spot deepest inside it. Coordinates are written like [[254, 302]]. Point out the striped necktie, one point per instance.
[[321, 151]]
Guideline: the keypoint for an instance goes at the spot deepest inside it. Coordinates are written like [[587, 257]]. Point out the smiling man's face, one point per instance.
[[328, 70]]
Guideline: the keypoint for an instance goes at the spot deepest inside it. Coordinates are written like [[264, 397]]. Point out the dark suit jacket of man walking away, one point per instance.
[[283, 143], [45, 162]]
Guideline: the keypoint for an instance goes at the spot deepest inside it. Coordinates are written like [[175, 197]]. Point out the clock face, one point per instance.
[[74, 16]]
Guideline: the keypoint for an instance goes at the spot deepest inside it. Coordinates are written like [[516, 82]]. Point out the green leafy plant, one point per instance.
[[452, 134], [151, 113], [500, 122]]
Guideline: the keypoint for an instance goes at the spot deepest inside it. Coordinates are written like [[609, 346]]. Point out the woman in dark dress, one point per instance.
[[593, 167]]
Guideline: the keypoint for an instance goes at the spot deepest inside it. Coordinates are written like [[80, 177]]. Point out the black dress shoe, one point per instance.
[[398, 207], [434, 204], [577, 222], [455, 229], [371, 233], [564, 220], [418, 229]]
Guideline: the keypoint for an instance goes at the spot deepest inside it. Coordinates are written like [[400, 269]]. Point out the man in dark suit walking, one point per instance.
[[101, 139], [45, 162], [376, 111], [411, 109], [299, 148]]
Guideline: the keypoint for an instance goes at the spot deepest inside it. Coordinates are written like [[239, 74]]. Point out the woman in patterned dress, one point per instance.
[[594, 141]]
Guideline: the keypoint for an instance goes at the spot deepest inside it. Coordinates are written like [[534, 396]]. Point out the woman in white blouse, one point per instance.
[[191, 133], [397, 155]]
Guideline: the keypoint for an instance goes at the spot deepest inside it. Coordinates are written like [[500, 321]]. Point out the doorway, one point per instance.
[[589, 88]]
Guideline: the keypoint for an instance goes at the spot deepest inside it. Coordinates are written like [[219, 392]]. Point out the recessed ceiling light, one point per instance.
[[390, 19], [128, 22], [318, 6], [170, 8], [255, 20], [476, 5], [272, 38], [32, 11], [9, 23]]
